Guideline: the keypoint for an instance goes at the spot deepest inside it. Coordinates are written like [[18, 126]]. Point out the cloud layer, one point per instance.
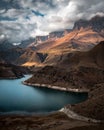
[[21, 19]]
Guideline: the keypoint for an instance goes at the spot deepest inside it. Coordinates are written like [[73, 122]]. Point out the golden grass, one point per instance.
[[32, 64]]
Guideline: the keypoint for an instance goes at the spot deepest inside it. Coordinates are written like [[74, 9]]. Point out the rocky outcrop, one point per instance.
[[52, 36], [10, 71], [40, 39], [59, 34]]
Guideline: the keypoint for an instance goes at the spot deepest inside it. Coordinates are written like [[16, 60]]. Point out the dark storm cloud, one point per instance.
[[89, 8], [7, 4], [7, 19], [15, 32], [48, 2]]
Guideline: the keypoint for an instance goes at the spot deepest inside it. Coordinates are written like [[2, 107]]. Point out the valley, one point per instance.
[[72, 59]]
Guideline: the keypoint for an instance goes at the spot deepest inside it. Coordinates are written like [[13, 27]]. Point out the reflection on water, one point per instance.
[[14, 96]]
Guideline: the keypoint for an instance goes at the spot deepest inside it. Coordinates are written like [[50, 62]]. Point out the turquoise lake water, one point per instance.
[[16, 97]]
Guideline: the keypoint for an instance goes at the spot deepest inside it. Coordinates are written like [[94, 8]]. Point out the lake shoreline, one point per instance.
[[65, 110], [56, 87]]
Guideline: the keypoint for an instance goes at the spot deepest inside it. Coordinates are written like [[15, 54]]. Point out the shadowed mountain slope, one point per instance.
[[78, 69], [12, 71]]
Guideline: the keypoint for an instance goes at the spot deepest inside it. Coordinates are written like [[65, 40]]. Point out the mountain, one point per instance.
[[80, 70], [31, 58], [91, 58], [58, 34], [52, 36], [84, 36], [5, 45], [73, 61], [22, 56], [11, 55], [40, 39], [96, 24], [77, 40], [26, 43], [93, 75]]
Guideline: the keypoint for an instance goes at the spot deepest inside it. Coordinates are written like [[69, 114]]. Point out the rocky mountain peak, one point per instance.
[[40, 39], [96, 23]]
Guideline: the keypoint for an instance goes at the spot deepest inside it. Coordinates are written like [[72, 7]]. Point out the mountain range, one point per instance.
[[50, 49]]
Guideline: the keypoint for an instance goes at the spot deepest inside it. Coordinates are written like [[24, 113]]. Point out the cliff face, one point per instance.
[[40, 39], [84, 35], [52, 36], [56, 34], [96, 23], [59, 34]]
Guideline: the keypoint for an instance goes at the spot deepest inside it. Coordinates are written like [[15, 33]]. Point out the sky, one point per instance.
[[22, 19]]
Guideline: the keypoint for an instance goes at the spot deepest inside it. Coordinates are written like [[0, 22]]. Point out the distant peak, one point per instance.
[[96, 23], [96, 17]]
